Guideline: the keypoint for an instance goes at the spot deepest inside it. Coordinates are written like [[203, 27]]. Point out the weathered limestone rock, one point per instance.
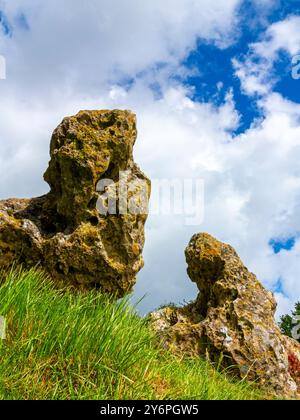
[[64, 231], [231, 321]]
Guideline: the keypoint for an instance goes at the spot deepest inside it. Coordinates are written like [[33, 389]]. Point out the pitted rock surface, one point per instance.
[[232, 320], [63, 231]]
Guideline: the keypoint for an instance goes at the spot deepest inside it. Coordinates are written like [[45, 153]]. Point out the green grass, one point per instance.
[[67, 345]]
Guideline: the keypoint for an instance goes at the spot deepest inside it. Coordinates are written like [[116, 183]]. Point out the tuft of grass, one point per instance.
[[62, 344]]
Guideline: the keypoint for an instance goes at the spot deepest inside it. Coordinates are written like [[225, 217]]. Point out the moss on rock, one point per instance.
[[64, 231], [232, 320]]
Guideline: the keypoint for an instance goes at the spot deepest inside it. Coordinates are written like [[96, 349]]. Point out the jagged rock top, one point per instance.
[[84, 148]]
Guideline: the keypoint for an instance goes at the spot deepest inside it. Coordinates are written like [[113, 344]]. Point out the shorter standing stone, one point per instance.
[[231, 321]]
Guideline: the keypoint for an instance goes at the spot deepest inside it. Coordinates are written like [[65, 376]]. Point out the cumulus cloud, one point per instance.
[[280, 35], [66, 56], [256, 69], [85, 45]]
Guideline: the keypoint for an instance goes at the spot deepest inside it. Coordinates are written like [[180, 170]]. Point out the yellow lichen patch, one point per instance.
[[136, 248]]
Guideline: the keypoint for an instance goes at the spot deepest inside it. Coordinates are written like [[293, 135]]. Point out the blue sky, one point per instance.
[[212, 88], [215, 64]]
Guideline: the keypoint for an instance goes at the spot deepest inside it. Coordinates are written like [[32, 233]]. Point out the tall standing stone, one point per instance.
[[64, 232]]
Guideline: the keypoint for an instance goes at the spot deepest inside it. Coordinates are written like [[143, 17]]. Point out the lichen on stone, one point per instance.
[[63, 231], [232, 320]]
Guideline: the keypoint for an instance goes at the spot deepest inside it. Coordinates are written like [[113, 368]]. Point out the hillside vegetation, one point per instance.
[[70, 345]]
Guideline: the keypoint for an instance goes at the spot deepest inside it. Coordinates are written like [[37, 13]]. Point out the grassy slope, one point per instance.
[[62, 345]]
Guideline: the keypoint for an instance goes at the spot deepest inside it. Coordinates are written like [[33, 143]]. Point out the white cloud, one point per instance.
[[282, 35], [73, 58], [85, 45], [255, 77], [256, 70], [283, 305]]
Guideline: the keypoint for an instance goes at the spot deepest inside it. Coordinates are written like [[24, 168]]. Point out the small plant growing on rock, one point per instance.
[[294, 368]]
